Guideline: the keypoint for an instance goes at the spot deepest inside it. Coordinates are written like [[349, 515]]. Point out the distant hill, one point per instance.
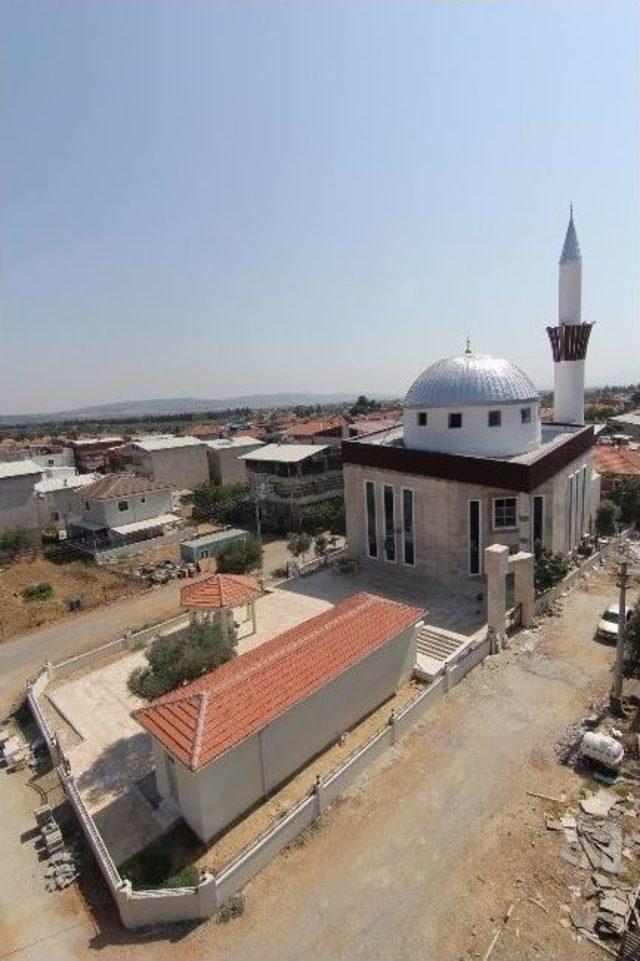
[[176, 405]]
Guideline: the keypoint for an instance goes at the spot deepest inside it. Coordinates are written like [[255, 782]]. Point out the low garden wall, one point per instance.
[[546, 600], [144, 907]]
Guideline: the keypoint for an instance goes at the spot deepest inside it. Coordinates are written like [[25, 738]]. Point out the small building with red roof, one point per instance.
[[227, 739]]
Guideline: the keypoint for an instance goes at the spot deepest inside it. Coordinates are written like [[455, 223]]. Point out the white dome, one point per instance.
[[473, 404], [468, 380]]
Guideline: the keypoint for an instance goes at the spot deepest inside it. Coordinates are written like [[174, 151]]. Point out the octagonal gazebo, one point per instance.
[[220, 595]]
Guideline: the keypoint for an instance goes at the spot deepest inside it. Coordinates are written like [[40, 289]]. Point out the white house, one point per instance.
[[57, 493], [18, 505], [225, 466], [180, 462], [121, 509], [229, 738]]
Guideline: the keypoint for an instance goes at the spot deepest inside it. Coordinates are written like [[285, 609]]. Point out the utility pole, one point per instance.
[[616, 688]]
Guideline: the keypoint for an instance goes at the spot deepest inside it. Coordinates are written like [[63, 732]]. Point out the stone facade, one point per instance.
[[441, 515]]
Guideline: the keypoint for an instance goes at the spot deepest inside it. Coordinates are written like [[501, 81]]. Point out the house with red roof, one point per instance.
[[229, 738]]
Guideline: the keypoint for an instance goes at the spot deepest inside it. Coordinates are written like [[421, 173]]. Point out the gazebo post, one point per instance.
[[225, 626], [253, 615]]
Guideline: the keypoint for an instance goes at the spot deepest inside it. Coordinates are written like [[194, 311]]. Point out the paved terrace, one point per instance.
[[110, 755]]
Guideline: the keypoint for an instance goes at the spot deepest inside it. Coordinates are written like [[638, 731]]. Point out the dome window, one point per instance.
[[455, 420], [525, 415], [495, 418], [422, 418]]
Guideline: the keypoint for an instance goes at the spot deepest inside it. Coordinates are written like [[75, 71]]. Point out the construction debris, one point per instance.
[[599, 804], [597, 833]]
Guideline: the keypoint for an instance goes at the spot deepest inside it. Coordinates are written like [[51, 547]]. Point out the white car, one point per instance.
[[607, 629]]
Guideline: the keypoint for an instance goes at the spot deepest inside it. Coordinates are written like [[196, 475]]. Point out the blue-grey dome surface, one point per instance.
[[470, 379]]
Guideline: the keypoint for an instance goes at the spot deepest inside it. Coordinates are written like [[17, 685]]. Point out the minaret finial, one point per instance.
[[468, 349]]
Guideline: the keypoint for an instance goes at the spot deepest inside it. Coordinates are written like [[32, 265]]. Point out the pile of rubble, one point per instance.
[[596, 841], [64, 862], [16, 752]]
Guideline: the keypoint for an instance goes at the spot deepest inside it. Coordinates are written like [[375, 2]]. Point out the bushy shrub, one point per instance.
[[215, 504], [37, 592], [632, 644], [626, 495], [298, 543], [181, 657], [549, 569], [607, 515], [240, 558], [233, 908], [324, 516], [14, 541]]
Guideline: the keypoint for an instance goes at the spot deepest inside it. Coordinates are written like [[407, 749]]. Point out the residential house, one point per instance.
[[626, 424], [287, 477], [225, 465], [18, 505], [179, 462], [119, 510], [318, 430], [614, 463], [94, 453], [229, 738], [57, 496]]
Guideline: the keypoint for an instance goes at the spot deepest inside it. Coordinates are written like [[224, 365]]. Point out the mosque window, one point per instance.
[[525, 415], [422, 418], [504, 513], [495, 418], [455, 420]]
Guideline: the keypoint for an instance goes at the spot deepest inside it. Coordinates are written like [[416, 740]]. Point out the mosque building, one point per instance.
[[472, 464]]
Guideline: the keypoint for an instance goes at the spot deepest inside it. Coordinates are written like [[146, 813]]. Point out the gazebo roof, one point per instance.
[[220, 591]]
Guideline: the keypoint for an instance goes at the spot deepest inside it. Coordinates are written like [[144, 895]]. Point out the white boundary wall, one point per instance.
[[140, 908]]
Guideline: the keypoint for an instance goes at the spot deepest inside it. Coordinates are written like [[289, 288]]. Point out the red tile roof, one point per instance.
[[221, 590], [616, 460], [120, 485], [207, 717], [310, 428]]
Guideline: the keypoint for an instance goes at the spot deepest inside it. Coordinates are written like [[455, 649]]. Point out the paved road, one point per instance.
[[21, 657]]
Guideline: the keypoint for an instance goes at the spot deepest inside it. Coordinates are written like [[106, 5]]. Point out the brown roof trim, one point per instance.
[[489, 472]]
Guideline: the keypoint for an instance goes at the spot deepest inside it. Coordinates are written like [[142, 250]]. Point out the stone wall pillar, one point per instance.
[[523, 585], [496, 565]]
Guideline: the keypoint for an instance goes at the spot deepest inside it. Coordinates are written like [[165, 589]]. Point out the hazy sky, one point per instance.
[[207, 198]]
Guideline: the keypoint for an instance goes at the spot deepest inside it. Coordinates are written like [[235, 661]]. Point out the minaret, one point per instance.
[[569, 340]]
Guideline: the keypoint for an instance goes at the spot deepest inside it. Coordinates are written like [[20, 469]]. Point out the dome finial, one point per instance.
[[468, 348]]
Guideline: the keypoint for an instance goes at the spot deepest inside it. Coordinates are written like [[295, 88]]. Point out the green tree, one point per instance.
[[549, 568], [632, 644], [606, 516], [321, 545], [215, 504], [626, 496], [328, 515], [181, 657], [298, 543], [242, 557]]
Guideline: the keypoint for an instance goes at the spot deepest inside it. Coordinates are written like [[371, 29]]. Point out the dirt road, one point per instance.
[[424, 855], [21, 657]]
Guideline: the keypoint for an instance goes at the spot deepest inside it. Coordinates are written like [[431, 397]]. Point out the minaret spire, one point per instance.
[[570, 338]]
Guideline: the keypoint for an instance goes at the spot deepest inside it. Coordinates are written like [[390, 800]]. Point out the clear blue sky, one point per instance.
[[206, 198]]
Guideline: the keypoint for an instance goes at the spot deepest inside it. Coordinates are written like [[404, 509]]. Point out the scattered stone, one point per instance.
[[581, 920], [599, 804], [578, 860]]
